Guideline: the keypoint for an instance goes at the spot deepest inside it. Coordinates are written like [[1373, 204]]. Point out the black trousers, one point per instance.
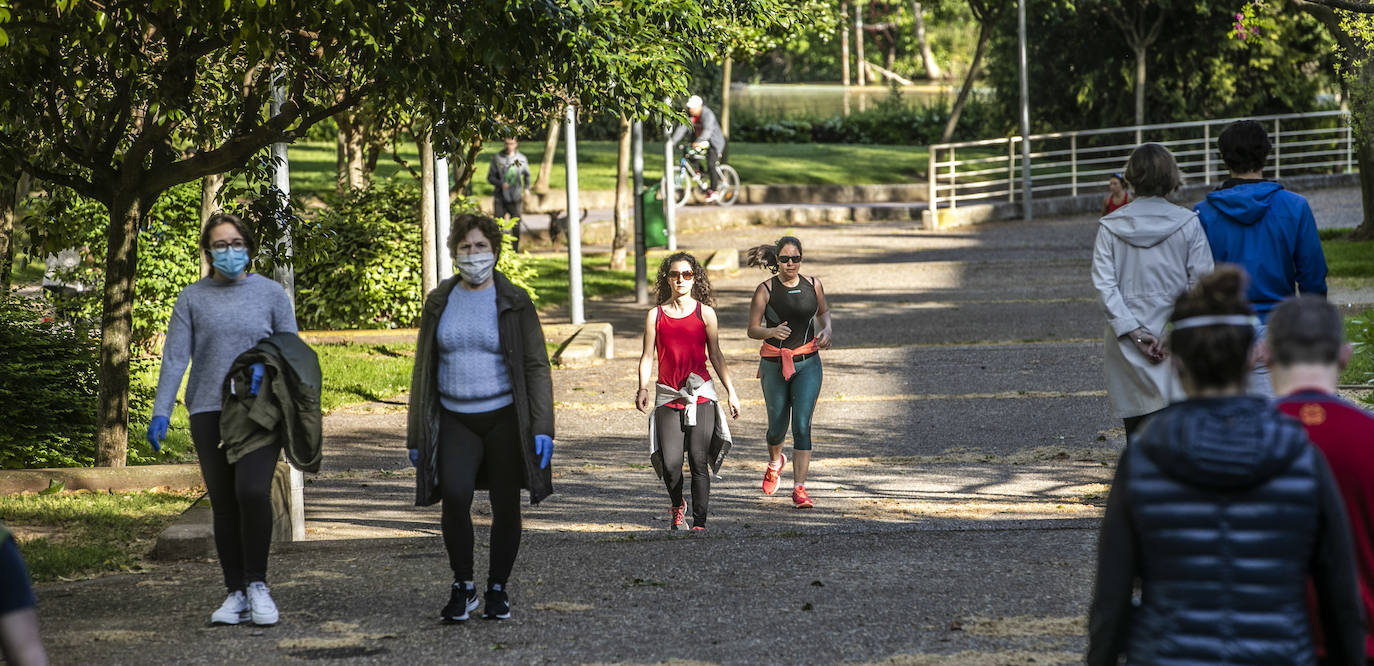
[[1133, 423], [241, 500], [515, 209], [712, 161], [673, 436], [488, 443]]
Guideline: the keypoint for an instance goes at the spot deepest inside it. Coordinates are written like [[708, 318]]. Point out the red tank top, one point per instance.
[[681, 346], [1125, 199]]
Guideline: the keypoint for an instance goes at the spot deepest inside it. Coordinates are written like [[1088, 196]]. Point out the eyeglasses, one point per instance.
[[220, 246], [790, 259], [673, 275]]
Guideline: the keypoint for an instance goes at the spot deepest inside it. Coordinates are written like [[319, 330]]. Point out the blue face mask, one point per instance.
[[230, 261]]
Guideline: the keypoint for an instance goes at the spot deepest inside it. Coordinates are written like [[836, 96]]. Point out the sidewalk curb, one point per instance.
[[722, 262], [142, 477], [591, 344]]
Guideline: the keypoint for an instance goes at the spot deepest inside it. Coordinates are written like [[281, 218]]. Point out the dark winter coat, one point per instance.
[[527, 361], [1220, 513], [286, 409]]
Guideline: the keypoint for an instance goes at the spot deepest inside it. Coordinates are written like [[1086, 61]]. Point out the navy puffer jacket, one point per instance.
[[1219, 513]]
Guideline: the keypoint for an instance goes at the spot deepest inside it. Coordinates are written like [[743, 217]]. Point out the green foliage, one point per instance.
[[1347, 258], [1359, 332], [550, 279], [47, 401], [92, 532], [169, 255], [1082, 71], [890, 122]]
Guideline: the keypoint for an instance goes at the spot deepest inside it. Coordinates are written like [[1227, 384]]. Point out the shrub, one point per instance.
[[48, 400], [891, 121]]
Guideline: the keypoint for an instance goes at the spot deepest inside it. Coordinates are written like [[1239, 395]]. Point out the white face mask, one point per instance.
[[476, 268]]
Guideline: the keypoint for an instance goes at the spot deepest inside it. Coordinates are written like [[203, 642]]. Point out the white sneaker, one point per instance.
[[260, 601], [714, 196], [233, 611]]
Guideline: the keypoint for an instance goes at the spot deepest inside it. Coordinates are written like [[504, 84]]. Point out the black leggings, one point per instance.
[[489, 444], [241, 499], [672, 435]]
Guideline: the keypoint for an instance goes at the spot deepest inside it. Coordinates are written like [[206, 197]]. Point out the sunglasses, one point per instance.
[[790, 259], [673, 275]]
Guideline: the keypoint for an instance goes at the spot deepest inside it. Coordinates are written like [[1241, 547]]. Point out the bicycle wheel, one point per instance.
[[729, 185], [682, 188]]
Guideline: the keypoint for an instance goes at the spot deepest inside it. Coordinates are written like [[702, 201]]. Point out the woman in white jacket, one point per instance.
[[1147, 253]]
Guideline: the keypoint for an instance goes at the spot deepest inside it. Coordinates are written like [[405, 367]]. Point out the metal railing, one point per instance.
[[1073, 163]]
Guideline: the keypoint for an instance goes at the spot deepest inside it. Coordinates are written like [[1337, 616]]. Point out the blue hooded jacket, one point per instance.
[[1271, 233]]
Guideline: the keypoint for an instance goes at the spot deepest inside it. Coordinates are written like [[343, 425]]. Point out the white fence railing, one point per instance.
[[1073, 163]]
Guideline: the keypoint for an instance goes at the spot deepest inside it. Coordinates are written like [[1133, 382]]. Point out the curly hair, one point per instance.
[[766, 256], [465, 223], [1214, 356], [701, 285]]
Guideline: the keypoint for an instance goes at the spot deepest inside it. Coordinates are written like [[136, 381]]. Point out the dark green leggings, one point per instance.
[[795, 398]]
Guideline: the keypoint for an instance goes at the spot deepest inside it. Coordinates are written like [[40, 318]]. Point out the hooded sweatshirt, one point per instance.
[[1220, 512], [1271, 233], [1147, 253]]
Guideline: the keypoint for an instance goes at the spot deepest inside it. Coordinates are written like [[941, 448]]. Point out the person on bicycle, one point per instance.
[[707, 136]]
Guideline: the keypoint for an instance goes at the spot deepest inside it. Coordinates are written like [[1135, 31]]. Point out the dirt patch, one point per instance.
[[981, 658], [1026, 626]]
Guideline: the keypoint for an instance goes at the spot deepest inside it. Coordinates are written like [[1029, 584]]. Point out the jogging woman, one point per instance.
[[215, 319], [481, 411], [790, 315], [684, 407], [1223, 519]]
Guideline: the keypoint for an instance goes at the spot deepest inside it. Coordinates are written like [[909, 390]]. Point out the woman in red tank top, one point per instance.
[[685, 413], [1117, 195]]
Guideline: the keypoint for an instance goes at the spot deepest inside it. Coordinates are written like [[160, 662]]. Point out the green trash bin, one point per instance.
[[655, 226]]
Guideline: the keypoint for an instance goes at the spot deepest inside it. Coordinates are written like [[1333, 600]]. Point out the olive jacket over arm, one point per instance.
[[286, 408], [522, 345]]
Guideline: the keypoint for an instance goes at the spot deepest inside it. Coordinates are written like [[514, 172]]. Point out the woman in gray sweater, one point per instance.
[[215, 319], [481, 411]]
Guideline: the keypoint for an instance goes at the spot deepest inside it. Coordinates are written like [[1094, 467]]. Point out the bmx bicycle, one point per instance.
[[691, 182]]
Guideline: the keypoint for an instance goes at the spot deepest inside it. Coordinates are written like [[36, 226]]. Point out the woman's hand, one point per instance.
[[823, 340], [732, 400], [781, 331], [1148, 345], [642, 400]]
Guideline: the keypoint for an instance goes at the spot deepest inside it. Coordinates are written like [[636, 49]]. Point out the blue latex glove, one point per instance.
[[258, 369], [157, 431], [414, 457], [543, 447]]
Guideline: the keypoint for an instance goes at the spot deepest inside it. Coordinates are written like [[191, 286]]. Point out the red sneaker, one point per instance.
[[800, 499], [698, 528], [678, 510], [771, 476]]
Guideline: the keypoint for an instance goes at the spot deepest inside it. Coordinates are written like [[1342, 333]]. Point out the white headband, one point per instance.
[[1215, 320]]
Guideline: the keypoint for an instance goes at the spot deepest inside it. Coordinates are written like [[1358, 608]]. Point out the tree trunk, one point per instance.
[[859, 43], [1140, 86], [464, 177], [927, 57], [116, 329], [429, 259], [844, 44], [210, 187], [1364, 153], [724, 99], [623, 215], [341, 152], [357, 154], [9, 202], [541, 183], [984, 34]]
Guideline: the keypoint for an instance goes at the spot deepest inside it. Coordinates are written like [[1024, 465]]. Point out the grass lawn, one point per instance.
[[84, 533], [1347, 258], [313, 168], [551, 278]]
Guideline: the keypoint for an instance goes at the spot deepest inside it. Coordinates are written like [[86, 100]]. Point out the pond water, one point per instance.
[[826, 99]]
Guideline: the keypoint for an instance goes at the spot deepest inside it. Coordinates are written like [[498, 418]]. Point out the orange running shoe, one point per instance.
[[771, 476], [678, 522], [800, 500]]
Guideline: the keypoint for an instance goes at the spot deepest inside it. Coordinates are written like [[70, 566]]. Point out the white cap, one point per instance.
[[694, 102]]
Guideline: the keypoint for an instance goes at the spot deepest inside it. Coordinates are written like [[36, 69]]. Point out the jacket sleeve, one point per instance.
[[1199, 252], [417, 412], [1108, 289], [538, 378], [493, 175], [1333, 575], [679, 133], [710, 126], [1117, 569], [284, 315], [1308, 256], [525, 172]]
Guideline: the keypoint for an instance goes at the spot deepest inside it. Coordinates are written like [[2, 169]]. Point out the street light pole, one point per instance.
[[285, 274], [1026, 197], [637, 162], [574, 223]]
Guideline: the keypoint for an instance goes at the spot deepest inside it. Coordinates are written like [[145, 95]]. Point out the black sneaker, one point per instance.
[[461, 601], [498, 604]]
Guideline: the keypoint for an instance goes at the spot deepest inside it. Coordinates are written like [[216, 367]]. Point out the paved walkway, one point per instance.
[[963, 445]]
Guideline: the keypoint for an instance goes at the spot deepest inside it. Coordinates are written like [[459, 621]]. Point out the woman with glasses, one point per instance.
[[790, 315], [684, 407], [215, 319]]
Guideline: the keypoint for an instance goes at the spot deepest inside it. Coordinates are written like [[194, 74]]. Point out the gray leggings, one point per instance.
[[673, 436]]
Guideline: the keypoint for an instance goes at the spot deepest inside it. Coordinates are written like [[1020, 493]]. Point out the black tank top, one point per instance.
[[795, 305]]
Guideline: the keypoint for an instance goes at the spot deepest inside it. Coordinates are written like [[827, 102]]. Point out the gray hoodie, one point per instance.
[[503, 164], [1147, 253]]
